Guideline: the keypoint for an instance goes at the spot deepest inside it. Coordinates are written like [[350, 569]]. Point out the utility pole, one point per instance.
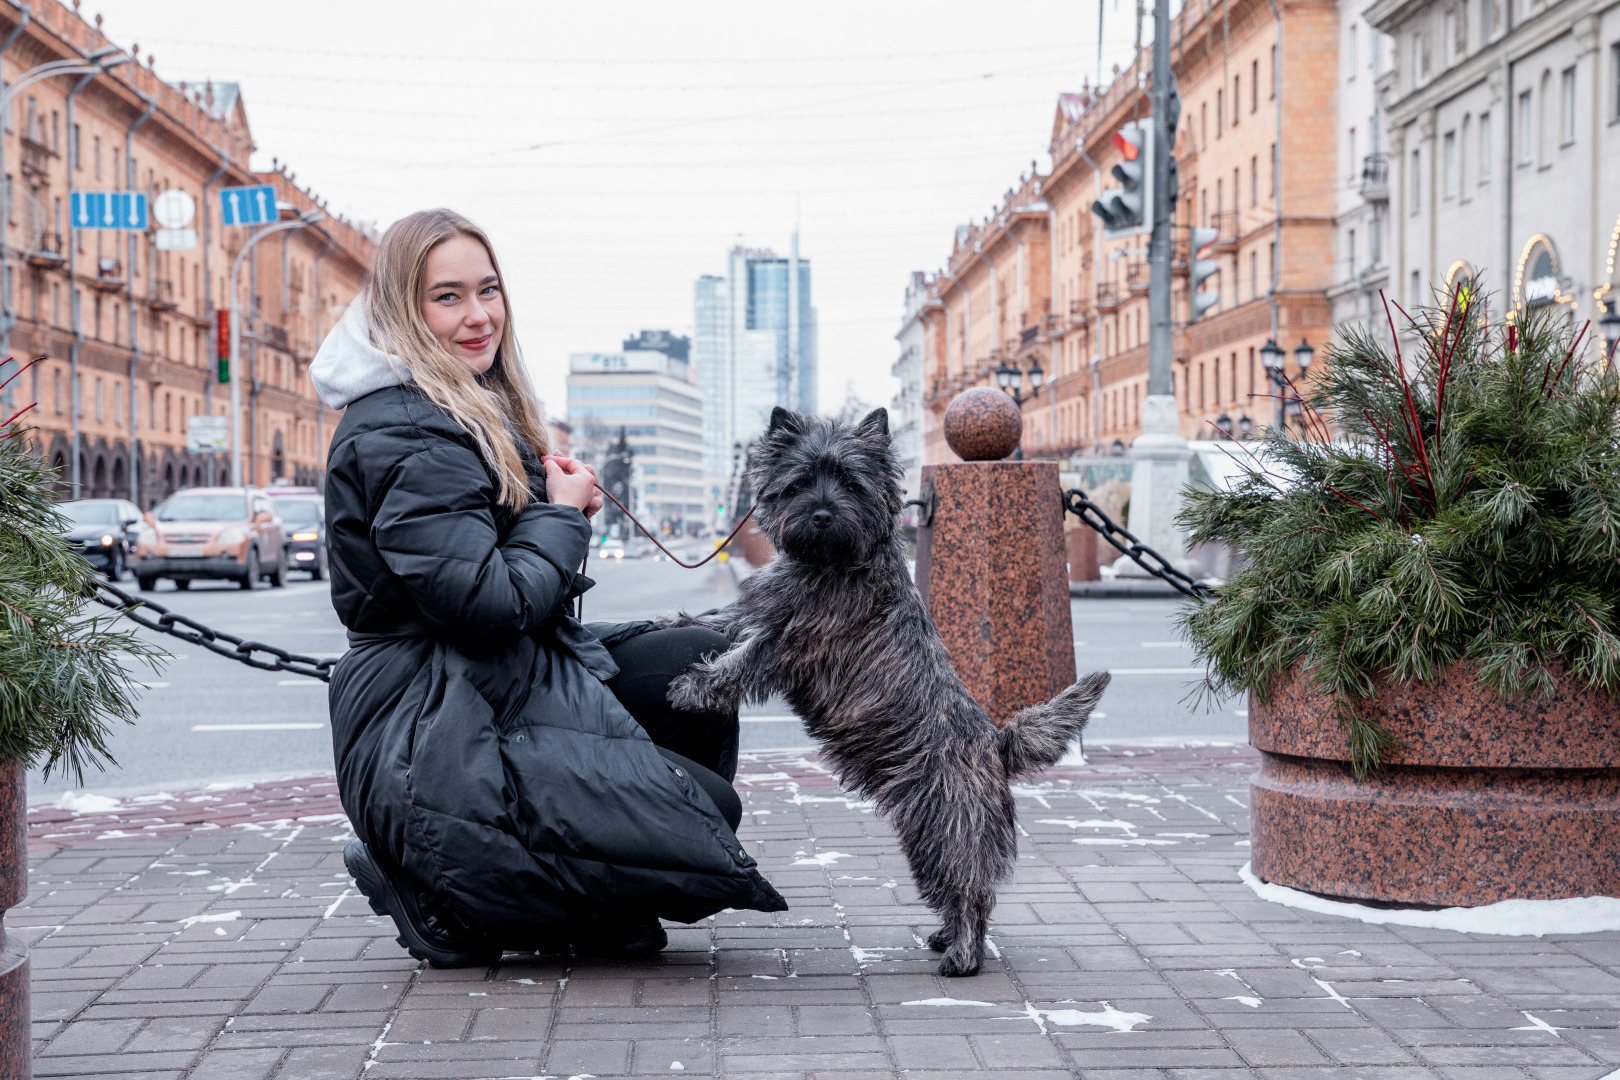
[[1160, 457]]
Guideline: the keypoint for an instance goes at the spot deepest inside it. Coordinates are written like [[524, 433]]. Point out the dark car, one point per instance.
[[104, 531], [303, 518]]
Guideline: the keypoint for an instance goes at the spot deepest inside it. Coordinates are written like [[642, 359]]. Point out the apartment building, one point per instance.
[[1361, 188], [905, 419], [1504, 148], [125, 327], [1258, 156]]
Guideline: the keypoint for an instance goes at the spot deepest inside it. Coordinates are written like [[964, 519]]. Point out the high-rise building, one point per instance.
[[754, 345], [652, 396]]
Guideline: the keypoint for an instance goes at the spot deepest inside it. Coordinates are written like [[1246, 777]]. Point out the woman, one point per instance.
[[516, 780]]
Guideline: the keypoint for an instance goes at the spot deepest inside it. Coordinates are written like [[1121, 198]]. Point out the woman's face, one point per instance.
[[462, 301]]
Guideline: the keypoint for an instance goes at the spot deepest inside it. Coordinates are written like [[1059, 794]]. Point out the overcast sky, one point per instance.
[[615, 151]]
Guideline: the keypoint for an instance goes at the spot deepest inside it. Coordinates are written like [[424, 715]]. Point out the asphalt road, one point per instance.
[[205, 719]]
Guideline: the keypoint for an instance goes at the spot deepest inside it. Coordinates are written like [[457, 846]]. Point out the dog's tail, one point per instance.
[[1039, 735]]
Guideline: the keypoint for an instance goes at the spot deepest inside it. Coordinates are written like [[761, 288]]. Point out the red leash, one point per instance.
[[580, 610]]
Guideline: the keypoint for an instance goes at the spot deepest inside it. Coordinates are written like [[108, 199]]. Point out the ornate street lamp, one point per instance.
[[1303, 355], [1271, 356], [1245, 425], [1610, 325], [1223, 426]]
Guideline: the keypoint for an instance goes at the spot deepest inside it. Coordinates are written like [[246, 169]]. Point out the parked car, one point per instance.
[[610, 549], [231, 534], [105, 531], [303, 516]]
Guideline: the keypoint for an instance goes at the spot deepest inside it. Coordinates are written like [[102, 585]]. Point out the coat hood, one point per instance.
[[348, 366]]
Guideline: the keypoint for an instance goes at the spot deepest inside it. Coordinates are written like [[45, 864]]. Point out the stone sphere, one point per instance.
[[983, 424]]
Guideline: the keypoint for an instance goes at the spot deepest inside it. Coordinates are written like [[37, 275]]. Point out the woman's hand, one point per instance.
[[571, 482]]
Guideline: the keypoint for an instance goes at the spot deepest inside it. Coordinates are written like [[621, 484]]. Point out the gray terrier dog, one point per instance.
[[836, 626]]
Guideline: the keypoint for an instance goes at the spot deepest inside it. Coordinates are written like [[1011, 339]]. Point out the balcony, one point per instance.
[[1375, 178], [1179, 240], [109, 276], [1028, 335], [275, 337], [1108, 297], [1051, 323], [162, 298], [36, 161], [1225, 225], [1137, 274], [47, 253], [1079, 312]]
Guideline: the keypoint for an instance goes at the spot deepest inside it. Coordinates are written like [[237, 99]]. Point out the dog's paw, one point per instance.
[[939, 940], [680, 618], [959, 967], [694, 691]]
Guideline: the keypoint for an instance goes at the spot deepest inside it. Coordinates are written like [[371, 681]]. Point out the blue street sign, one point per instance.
[[109, 210], [255, 205]]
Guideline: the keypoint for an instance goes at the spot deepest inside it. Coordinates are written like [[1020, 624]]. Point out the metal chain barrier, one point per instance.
[[195, 633], [1078, 503]]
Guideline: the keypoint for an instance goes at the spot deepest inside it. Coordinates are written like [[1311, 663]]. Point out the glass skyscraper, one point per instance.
[[754, 345]]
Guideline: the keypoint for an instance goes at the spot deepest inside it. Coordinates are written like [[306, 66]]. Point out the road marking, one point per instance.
[[300, 682], [257, 727], [1156, 671]]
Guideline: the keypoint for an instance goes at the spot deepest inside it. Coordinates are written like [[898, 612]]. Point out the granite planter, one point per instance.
[[15, 1057], [1484, 800]]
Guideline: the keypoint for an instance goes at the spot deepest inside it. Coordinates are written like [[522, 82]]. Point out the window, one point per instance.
[[95, 155], [1237, 99], [1448, 161], [1416, 297], [1490, 18], [1452, 46], [1418, 69], [1237, 281], [1462, 155], [73, 148], [1484, 147], [1219, 202], [101, 405], [1350, 250], [1355, 162], [1220, 112], [1254, 181], [1566, 107], [56, 391], [1203, 124], [1274, 170], [1351, 48], [118, 400], [56, 132], [1416, 186], [1614, 74], [1527, 144], [1254, 86], [1271, 92], [1254, 275]]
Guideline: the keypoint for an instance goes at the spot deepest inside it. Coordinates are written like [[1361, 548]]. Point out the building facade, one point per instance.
[[1504, 149], [652, 398], [125, 328], [1038, 283], [1361, 190], [754, 345], [905, 419]]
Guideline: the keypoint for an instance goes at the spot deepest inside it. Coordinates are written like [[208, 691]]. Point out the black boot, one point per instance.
[[422, 933], [642, 937]]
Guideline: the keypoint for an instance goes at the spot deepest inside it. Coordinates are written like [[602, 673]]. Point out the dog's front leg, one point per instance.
[[720, 620], [719, 684]]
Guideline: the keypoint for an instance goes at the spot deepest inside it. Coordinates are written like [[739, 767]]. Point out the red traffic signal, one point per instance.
[[1125, 146]]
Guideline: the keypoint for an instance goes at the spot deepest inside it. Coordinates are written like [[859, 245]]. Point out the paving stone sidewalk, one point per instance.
[[215, 935]]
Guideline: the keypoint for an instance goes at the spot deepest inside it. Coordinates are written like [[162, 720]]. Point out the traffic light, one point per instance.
[[1128, 210], [1198, 271]]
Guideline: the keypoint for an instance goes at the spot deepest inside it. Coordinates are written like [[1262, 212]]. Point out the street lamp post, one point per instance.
[[1271, 355], [1610, 325], [307, 218], [1011, 379]]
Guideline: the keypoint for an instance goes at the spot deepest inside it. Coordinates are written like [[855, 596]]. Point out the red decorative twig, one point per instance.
[[7, 421], [1411, 482], [19, 371], [1571, 352], [1411, 419]]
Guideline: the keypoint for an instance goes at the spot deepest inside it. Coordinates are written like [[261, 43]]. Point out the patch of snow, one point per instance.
[[826, 858], [1505, 918], [225, 916], [1243, 999], [1110, 1017], [87, 803], [950, 1001]]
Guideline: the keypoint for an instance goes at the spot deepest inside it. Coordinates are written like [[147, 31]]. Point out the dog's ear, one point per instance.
[[875, 425], [783, 420]]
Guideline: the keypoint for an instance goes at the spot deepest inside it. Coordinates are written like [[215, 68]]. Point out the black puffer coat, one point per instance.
[[477, 745]]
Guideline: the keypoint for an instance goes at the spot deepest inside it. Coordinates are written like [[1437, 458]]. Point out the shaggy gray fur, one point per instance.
[[836, 626]]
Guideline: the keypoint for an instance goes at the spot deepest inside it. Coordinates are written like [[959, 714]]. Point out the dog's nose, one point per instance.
[[821, 518]]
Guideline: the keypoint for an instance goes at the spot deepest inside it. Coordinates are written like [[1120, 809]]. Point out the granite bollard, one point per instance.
[[991, 562]]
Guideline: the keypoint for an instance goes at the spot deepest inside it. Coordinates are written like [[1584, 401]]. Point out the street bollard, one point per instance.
[[16, 1053], [991, 560]]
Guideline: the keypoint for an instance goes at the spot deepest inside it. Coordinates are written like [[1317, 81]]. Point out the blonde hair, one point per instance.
[[497, 408]]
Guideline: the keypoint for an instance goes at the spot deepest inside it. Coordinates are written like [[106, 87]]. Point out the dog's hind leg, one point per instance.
[[965, 924]]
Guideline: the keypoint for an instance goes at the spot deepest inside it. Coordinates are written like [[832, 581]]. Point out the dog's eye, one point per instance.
[[790, 491]]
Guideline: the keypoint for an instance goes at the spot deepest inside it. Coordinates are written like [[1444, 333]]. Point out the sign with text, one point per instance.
[[253, 205], [208, 434], [109, 210]]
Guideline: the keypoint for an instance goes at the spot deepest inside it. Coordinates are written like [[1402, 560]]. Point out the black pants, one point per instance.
[[704, 744]]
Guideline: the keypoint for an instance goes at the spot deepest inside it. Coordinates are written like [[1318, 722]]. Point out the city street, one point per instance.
[[206, 719]]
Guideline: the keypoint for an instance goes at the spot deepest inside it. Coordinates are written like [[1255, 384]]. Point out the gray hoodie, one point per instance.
[[348, 366]]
